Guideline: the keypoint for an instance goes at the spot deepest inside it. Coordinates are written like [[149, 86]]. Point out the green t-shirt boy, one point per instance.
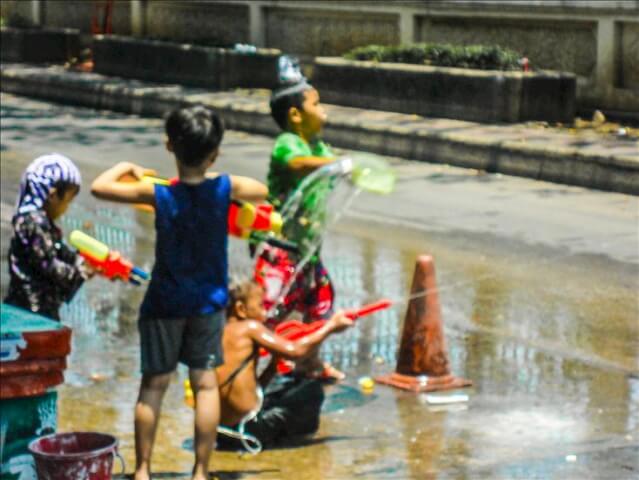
[[282, 179]]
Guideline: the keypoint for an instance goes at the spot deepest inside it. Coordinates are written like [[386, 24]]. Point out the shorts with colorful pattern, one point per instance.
[[311, 292]]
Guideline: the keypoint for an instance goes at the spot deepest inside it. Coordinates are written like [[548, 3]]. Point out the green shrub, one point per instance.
[[440, 54]]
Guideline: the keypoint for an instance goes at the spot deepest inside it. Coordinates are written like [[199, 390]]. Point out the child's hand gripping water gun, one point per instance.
[[294, 329], [107, 262]]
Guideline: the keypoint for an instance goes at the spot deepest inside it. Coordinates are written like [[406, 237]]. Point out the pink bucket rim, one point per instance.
[[90, 454]]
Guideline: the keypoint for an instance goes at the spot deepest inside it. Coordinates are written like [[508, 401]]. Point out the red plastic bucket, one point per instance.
[[75, 456]]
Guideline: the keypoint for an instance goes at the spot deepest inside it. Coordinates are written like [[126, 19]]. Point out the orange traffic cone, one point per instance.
[[422, 361]]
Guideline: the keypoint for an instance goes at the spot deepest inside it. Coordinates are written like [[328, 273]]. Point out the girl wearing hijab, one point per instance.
[[44, 271]]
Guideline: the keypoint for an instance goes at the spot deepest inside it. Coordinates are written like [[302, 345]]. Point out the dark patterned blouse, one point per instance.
[[44, 271]]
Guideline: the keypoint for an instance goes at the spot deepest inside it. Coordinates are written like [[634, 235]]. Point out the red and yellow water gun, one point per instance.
[[244, 218], [107, 262]]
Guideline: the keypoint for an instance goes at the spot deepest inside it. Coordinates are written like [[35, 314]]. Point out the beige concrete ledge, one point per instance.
[[600, 163]]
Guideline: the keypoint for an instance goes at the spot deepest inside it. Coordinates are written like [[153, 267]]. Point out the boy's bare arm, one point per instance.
[[282, 347], [309, 163], [245, 188], [107, 186], [248, 189]]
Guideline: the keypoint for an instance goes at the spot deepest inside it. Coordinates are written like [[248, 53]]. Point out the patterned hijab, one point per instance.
[[40, 176]]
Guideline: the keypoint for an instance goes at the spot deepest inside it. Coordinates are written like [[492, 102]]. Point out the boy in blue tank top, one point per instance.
[[181, 317]]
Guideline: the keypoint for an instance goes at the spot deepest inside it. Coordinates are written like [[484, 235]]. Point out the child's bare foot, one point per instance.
[[205, 477], [313, 367], [142, 475], [325, 372], [332, 373], [201, 474]]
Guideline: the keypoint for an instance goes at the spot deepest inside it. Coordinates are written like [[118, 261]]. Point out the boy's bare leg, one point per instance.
[[313, 367], [147, 414], [207, 418]]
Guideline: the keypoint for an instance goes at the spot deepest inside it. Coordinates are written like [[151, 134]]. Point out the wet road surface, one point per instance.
[[538, 285]]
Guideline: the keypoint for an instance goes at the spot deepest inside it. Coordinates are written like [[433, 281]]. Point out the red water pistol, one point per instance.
[[294, 329], [107, 262]]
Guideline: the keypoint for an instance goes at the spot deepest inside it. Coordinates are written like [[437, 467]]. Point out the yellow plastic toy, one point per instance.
[[367, 384], [188, 394]]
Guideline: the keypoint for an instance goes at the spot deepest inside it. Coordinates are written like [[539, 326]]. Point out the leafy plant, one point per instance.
[[481, 57]]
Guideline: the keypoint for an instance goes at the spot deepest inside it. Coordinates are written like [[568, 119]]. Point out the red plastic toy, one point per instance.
[[107, 262], [294, 329]]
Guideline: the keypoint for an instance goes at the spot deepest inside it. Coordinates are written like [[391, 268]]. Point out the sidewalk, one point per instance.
[[584, 158]]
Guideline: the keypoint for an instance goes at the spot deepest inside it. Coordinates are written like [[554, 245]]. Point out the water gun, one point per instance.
[[258, 223], [244, 217], [294, 329], [109, 263]]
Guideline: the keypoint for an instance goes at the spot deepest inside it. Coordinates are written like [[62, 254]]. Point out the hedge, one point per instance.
[[444, 55]]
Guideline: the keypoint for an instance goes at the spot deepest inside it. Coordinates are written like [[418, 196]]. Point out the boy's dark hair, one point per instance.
[[281, 103], [61, 188], [195, 133]]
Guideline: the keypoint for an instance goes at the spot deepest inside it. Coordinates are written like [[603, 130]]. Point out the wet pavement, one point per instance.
[[538, 285]]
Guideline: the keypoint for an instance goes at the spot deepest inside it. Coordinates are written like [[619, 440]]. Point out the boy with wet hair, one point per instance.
[[291, 406], [182, 314], [298, 151]]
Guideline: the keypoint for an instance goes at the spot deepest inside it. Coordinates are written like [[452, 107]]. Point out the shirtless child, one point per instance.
[[293, 406]]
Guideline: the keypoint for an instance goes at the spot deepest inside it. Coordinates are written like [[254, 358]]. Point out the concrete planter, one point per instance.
[[34, 45], [186, 64], [465, 94]]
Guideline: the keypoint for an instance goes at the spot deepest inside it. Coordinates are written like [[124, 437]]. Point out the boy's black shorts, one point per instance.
[[193, 341], [291, 408]]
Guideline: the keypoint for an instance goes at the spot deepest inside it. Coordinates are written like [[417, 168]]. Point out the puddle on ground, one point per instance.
[[552, 348]]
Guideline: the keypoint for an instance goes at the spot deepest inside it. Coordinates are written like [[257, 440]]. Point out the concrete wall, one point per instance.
[[484, 96], [564, 46], [597, 40], [38, 45], [79, 14], [211, 23], [326, 32], [200, 66], [628, 51], [20, 13]]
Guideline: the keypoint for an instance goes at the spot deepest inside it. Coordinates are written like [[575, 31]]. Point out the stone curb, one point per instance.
[[470, 145]]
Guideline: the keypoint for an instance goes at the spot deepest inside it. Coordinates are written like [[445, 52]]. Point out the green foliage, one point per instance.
[[440, 54]]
